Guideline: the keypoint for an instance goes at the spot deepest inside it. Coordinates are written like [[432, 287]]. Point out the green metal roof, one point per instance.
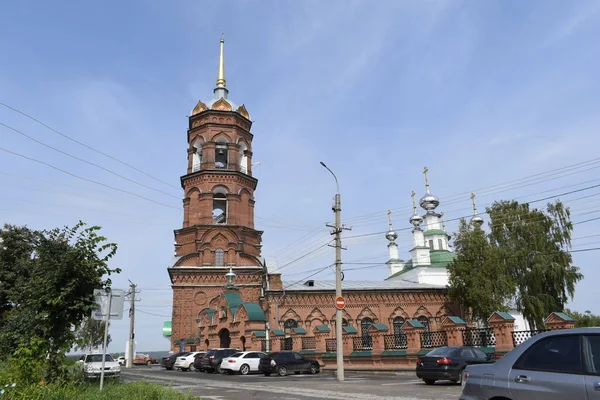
[[167, 326], [564, 316], [301, 331], [457, 320], [381, 327], [349, 329], [414, 323], [432, 232], [260, 334], [278, 332], [441, 258], [233, 301], [190, 340], [322, 328], [255, 312], [506, 316]]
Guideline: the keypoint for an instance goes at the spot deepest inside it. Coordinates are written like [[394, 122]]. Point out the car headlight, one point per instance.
[[116, 368]]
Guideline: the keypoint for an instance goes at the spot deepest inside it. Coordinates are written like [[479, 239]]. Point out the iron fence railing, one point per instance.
[[330, 345], [286, 343], [433, 339], [395, 341], [362, 343], [519, 337], [483, 337], [266, 345], [309, 343]]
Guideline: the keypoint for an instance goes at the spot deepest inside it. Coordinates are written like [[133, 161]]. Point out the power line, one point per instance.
[[85, 145]]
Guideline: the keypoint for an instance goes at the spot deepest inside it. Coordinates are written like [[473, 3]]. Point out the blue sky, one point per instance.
[[482, 93]]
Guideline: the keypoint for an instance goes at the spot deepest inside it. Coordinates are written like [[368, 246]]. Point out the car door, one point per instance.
[[551, 369], [302, 364], [591, 351], [252, 360]]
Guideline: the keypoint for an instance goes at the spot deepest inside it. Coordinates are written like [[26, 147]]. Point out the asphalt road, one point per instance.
[[357, 386]]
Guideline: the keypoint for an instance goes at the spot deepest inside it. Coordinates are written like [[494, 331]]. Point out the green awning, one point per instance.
[[278, 332], [255, 312], [178, 341], [349, 329], [190, 340], [300, 331], [167, 325], [260, 334], [322, 328]]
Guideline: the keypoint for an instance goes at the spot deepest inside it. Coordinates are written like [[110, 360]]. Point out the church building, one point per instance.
[[223, 292]]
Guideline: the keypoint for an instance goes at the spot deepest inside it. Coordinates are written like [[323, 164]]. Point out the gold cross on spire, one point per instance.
[[425, 171], [412, 194], [390, 219], [473, 201], [221, 73]]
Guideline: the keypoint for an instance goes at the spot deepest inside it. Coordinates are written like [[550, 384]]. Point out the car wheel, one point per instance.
[[244, 369], [282, 371], [168, 368], [191, 367], [149, 363], [429, 381], [218, 370], [313, 369], [460, 377]]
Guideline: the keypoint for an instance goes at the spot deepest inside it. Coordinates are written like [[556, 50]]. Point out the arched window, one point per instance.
[[426, 338], [367, 340], [243, 158], [441, 244], [289, 324], [219, 208], [399, 336], [197, 156], [221, 158], [219, 257], [398, 323], [344, 322]]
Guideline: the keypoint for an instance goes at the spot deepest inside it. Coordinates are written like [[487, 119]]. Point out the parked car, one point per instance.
[[198, 361], [212, 359], [284, 362], [92, 366], [122, 361], [169, 360], [243, 362], [560, 364], [185, 362], [144, 359], [448, 363]]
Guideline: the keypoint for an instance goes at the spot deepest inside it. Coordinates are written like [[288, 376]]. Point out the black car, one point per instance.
[[198, 361], [447, 363], [169, 360], [211, 362], [284, 362]]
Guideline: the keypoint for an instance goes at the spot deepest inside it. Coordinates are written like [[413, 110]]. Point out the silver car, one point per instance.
[[555, 365]]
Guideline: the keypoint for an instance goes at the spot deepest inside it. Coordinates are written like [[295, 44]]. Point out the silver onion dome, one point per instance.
[[391, 236], [477, 221], [416, 220], [429, 202]]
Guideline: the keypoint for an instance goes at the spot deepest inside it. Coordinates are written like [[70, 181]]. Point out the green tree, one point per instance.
[[90, 335], [47, 279], [585, 319], [526, 254]]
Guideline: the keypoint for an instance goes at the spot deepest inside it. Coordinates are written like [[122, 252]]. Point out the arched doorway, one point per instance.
[[243, 341], [224, 338]]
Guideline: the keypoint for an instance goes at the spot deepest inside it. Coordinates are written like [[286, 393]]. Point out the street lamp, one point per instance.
[[337, 230]]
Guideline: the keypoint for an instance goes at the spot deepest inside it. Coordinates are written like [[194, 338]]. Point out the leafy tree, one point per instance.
[[47, 279], [526, 256], [584, 319], [90, 335]]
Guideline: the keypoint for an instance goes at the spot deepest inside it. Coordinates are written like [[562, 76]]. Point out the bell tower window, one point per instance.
[[431, 244], [219, 257], [221, 154], [197, 156], [243, 158], [219, 213], [441, 244]]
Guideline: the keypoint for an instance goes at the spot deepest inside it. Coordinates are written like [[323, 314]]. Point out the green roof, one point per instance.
[[233, 301], [278, 332], [506, 316], [381, 327], [457, 320], [255, 312], [177, 341], [301, 331], [432, 232], [349, 329], [441, 258], [564, 316], [190, 340], [166, 331], [322, 328], [414, 323], [260, 334]]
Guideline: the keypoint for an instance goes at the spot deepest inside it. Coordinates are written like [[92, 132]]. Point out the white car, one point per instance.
[[122, 361], [186, 362], [92, 366], [243, 362]]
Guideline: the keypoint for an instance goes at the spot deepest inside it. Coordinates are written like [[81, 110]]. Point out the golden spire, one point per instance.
[[221, 74], [425, 170], [390, 219], [412, 194], [473, 201]]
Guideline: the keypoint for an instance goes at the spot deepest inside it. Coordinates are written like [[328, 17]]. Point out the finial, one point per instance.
[[474, 206], [221, 73], [425, 170], [443, 223], [390, 219], [412, 194]]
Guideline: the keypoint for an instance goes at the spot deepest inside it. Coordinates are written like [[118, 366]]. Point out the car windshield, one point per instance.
[[441, 352], [98, 358]]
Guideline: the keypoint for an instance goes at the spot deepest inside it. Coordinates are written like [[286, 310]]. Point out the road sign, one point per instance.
[[340, 303], [116, 304]]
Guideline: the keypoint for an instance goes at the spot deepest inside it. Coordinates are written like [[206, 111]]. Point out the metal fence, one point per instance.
[[483, 337], [395, 341], [519, 337], [266, 345], [433, 339], [286, 343], [308, 343], [330, 345], [362, 343]]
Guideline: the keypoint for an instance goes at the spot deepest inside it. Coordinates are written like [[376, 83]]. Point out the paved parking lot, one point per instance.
[[357, 386]]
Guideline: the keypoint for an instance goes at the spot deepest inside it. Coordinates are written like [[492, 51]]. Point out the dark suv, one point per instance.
[[169, 360], [212, 359], [284, 362]]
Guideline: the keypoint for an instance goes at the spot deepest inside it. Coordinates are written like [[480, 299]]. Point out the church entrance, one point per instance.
[[224, 338]]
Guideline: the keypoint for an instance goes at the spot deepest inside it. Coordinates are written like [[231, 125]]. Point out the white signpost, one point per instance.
[[110, 306]]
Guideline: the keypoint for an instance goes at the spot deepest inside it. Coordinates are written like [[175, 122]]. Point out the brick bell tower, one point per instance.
[[218, 216]]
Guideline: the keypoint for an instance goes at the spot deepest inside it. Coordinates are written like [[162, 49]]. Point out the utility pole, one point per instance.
[[132, 287], [337, 231]]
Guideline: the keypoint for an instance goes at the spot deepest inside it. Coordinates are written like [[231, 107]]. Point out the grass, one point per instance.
[[90, 391]]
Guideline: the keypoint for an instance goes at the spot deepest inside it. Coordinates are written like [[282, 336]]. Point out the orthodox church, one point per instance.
[[224, 294]]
